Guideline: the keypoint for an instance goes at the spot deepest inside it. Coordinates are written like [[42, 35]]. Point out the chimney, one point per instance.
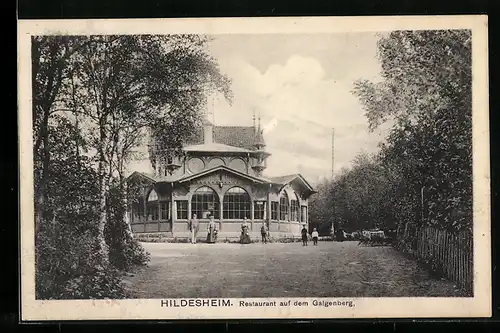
[[208, 134]]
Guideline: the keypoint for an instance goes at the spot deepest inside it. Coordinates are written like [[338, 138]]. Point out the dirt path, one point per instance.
[[280, 270]]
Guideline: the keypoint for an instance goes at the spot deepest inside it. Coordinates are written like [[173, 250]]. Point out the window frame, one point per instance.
[[215, 201], [166, 204], [262, 211], [304, 209], [275, 205], [282, 213], [137, 213], [179, 209], [295, 210], [233, 207]]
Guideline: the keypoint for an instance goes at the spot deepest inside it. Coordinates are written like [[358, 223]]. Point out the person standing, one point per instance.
[[315, 237], [212, 231], [194, 226], [245, 237], [263, 232], [304, 236]]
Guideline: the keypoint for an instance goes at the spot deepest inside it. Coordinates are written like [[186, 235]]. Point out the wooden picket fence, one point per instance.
[[450, 253]]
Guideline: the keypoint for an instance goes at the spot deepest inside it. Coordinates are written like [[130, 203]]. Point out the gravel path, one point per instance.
[[282, 270]]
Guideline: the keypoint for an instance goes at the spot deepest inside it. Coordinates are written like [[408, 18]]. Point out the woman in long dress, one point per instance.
[[212, 231], [244, 237]]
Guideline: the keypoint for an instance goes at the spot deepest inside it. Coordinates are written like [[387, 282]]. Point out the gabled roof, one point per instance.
[[216, 147], [225, 168], [142, 175], [281, 180], [284, 180], [236, 136]]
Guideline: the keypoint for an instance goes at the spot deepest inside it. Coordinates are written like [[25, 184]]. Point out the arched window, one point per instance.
[[157, 209], [152, 209], [295, 209], [236, 204], [205, 202], [284, 206], [153, 196]]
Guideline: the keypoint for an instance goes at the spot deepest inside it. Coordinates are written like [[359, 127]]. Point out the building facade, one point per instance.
[[219, 173]]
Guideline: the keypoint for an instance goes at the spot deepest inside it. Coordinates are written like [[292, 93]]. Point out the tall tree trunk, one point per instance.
[[124, 202], [102, 247], [41, 187]]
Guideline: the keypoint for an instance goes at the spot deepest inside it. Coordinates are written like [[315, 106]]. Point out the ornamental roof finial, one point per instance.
[[253, 119]]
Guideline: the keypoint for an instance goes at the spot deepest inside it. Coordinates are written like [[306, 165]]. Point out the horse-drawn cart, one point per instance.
[[375, 238]]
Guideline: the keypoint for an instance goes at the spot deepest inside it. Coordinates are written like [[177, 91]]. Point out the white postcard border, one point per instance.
[[414, 307]]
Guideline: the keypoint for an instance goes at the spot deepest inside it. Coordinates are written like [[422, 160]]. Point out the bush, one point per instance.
[[101, 284], [124, 251], [67, 266], [129, 255]]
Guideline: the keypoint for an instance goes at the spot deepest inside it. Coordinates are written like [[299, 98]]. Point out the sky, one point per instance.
[[300, 86]]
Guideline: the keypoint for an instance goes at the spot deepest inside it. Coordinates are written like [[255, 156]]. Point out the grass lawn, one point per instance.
[[330, 269]]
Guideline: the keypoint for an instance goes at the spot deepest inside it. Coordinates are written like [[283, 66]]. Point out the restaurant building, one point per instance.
[[219, 173]]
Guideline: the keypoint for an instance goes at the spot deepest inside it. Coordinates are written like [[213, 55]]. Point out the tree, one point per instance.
[[50, 59], [128, 84], [105, 93], [321, 209], [422, 72], [426, 92]]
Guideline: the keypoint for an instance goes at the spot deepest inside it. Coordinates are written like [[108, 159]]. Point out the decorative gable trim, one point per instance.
[[302, 180], [224, 168]]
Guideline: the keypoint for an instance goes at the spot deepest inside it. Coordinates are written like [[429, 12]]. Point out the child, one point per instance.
[[315, 236]]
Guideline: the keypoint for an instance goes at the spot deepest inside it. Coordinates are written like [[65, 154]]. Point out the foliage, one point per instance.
[[422, 71], [423, 172], [65, 242], [185, 78], [67, 268], [357, 198], [94, 100], [319, 215], [125, 252]]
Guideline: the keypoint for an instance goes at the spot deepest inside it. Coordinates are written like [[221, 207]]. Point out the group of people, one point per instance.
[[194, 227], [305, 238], [245, 236]]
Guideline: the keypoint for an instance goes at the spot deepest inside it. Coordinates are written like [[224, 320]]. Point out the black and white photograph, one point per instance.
[[314, 169]]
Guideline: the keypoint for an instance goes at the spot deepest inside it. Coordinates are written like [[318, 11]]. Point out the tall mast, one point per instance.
[[333, 174], [333, 151], [213, 110]]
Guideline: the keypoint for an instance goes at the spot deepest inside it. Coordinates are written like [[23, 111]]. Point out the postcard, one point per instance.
[[243, 168]]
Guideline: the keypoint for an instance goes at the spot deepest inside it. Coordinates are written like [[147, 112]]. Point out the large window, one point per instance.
[[155, 209], [259, 210], [274, 210], [283, 206], [304, 213], [295, 210], [205, 202], [164, 210], [137, 212], [236, 204], [182, 209], [152, 211]]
